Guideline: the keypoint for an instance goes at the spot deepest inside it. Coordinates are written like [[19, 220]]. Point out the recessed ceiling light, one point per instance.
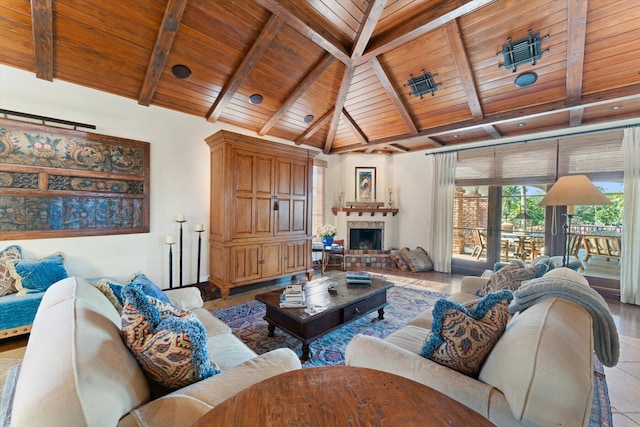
[[456, 136], [526, 79], [616, 107], [256, 99], [308, 118], [521, 125], [181, 71]]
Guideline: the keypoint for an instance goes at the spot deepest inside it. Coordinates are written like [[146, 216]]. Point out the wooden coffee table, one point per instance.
[[340, 396], [325, 311]]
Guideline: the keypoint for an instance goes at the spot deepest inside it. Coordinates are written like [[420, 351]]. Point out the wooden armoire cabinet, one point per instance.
[[260, 216]]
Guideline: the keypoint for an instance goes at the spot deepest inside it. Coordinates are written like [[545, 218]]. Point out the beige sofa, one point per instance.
[[78, 372], [540, 373]]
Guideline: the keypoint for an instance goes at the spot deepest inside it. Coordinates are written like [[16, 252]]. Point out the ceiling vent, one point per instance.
[[422, 84], [522, 51]]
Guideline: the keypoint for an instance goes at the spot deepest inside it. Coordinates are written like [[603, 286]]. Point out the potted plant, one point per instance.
[[327, 233]]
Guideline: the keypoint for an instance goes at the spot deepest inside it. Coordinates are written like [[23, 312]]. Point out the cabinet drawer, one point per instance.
[[354, 311]]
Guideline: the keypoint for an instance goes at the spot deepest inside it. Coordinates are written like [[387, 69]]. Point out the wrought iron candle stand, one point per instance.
[[181, 220], [199, 230], [171, 240]]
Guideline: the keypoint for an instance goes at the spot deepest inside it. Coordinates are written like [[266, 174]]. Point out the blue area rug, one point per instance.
[[247, 323]]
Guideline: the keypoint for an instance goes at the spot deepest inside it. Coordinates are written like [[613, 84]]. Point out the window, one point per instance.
[[317, 216], [510, 180]]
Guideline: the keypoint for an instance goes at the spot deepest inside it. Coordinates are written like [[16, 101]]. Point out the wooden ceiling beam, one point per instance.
[[164, 41], [575, 117], [459, 52], [420, 25], [371, 17], [250, 60], [42, 29], [396, 147], [393, 94], [308, 25], [315, 127], [576, 36], [302, 87], [345, 84], [388, 141], [614, 96], [492, 131], [360, 136]]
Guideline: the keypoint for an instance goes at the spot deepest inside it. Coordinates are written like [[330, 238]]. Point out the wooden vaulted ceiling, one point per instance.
[[346, 62]]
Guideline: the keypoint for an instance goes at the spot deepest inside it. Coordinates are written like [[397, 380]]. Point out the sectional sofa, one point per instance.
[[78, 372], [539, 373]]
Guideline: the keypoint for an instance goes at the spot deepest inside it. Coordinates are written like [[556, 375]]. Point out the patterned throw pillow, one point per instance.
[[396, 257], [7, 282], [169, 343], [462, 339], [417, 260], [113, 292], [36, 276], [509, 277]]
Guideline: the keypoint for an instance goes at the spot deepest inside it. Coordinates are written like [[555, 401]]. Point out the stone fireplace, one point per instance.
[[367, 242]]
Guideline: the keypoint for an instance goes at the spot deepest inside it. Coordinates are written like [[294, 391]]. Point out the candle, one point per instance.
[[170, 240], [199, 227], [181, 218]]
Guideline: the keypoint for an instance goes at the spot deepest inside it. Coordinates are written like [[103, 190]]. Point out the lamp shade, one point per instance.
[[574, 190]]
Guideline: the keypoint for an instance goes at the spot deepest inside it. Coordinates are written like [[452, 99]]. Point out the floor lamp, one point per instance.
[[568, 191]]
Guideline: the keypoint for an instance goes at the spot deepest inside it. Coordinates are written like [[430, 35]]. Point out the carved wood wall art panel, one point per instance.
[[58, 182]]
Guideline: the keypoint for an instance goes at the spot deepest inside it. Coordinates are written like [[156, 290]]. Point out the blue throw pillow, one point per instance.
[[148, 287], [36, 276]]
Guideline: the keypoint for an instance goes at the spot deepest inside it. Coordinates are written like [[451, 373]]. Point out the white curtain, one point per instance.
[[629, 271], [444, 171]]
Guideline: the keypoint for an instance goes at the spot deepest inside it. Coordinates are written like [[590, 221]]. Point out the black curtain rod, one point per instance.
[[498, 144], [46, 119]]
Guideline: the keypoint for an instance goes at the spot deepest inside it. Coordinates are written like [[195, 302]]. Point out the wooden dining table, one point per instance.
[[520, 240]]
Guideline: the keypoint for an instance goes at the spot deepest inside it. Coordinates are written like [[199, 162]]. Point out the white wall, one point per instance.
[[409, 177], [179, 178]]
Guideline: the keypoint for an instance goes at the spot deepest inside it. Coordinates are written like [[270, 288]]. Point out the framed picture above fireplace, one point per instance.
[[365, 184]]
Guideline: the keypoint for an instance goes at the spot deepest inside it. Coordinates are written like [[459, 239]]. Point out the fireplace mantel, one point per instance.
[[360, 211]]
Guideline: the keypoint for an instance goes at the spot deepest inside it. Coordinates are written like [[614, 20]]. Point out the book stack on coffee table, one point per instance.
[[358, 278], [293, 297]]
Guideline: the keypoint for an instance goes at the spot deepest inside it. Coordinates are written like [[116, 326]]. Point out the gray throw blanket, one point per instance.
[[605, 334]]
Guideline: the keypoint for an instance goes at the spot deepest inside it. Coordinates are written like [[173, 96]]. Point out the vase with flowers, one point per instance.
[[327, 232]]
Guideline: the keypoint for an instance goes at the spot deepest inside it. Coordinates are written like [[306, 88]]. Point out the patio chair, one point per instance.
[[480, 242]]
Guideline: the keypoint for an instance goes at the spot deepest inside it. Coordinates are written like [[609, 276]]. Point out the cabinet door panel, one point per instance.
[[243, 217], [299, 174], [243, 172], [295, 256], [263, 217], [245, 263], [283, 217], [299, 210], [292, 191], [271, 256], [284, 178], [264, 176]]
